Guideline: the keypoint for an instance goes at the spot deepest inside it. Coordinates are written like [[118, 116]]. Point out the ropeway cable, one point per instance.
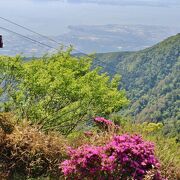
[[39, 34], [26, 37]]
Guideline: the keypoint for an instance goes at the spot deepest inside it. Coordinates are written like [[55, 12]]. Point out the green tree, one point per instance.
[[60, 92]]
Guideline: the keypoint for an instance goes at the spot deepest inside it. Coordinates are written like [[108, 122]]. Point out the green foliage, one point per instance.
[[150, 127], [172, 129], [151, 78], [60, 92]]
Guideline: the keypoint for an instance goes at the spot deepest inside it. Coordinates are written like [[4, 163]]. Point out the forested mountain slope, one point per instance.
[[151, 78]]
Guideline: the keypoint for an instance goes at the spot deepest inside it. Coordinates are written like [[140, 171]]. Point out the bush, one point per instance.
[[29, 153], [167, 149], [124, 157], [105, 124]]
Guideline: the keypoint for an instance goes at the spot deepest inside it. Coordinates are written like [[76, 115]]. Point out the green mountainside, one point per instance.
[[151, 78]]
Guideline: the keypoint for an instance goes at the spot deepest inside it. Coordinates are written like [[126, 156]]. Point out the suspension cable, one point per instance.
[[26, 37]]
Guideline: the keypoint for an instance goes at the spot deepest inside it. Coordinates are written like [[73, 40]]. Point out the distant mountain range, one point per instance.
[[88, 39], [113, 37], [151, 78]]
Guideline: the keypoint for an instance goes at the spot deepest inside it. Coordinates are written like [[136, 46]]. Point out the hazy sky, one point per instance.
[[130, 2], [52, 17]]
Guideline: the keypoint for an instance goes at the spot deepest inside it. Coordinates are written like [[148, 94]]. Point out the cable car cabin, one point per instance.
[[1, 42]]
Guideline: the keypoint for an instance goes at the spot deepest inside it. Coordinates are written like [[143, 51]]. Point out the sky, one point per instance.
[[52, 17], [130, 2]]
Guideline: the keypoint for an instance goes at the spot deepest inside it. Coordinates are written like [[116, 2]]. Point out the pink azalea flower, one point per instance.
[[123, 157]]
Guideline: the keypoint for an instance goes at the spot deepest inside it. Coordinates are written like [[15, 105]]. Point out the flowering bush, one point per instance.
[[86, 161], [130, 156], [105, 124], [122, 158], [103, 121]]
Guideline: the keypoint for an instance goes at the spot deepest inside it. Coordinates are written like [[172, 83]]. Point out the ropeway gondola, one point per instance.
[[1, 42]]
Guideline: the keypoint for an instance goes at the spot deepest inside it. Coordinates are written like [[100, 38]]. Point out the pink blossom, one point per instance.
[[105, 123], [103, 120], [123, 157]]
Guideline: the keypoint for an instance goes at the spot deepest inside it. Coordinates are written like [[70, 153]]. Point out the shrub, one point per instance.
[[6, 126], [29, 153], [106, 124], [167, 149], [123, 157], [103, 121]]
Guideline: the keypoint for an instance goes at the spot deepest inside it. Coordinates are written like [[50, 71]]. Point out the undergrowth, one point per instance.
[[28, 153]]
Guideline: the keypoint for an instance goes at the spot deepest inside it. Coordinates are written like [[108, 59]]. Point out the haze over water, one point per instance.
[[52, 17]]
